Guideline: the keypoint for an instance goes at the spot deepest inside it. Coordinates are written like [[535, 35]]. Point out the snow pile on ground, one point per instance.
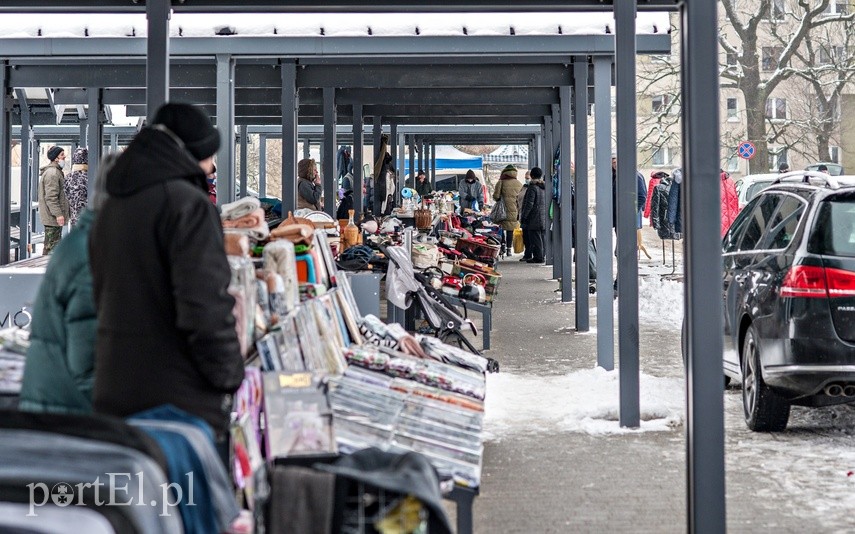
[[582, 401], [660, 301]]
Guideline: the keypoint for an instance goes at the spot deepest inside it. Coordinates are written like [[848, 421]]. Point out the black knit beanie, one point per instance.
[[54, 152], [192, 126]]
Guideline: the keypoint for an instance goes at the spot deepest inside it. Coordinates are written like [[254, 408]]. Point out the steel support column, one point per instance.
[[413, 158], [83, 136], [420, 147], [402, 155], [358, 148], [603, 195], [27, 156], [399, 176], [563, 259], [433, 164], [114, 142], [307, 147], [627, 246], [547, 177], [706, 512], [580, 146], [226, 126], [262, 165], [94, 139], [330, 151], [557, 244], [290, 103], [5, 164], [157, 59], [243, 161]]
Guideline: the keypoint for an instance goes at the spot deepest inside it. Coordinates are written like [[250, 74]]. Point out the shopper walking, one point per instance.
[[166, 333], [77, 184], [60, 366], [309, 188], [533, 215], [729, 202], [470, 192], [53, 204], [507, 189]]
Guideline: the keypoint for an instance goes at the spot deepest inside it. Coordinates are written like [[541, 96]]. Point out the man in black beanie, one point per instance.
[[166, 333]]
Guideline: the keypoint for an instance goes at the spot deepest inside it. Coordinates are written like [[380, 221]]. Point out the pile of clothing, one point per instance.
[[245, 216]]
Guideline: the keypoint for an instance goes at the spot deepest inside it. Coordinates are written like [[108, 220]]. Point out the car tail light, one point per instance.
[[805, 281], [840, 283], [818, 282]]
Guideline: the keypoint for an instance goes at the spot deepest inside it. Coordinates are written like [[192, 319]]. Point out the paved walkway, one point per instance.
[[558, 481]]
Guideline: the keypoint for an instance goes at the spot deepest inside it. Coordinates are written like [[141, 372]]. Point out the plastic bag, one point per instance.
[[499, 212]]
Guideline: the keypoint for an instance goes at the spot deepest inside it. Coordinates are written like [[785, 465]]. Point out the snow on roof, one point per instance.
[[327, 24]]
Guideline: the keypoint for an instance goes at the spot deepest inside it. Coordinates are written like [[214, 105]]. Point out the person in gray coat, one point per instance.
[[53, 204], [471, 194]]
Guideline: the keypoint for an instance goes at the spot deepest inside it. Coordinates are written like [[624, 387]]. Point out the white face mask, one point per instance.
[[61, 163]]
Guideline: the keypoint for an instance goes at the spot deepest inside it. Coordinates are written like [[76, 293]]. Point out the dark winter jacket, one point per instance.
[[308, 194], [659, 206], [507, 189], [52, 200], [166, 333], [344, 206], [424, 188], [533, 213], [61, 359], [675, 203]]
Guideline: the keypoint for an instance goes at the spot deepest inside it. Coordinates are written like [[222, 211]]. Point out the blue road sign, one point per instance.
[[746, 150]]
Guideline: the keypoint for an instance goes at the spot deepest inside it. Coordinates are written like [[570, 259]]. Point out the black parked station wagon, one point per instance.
[[789, 298]]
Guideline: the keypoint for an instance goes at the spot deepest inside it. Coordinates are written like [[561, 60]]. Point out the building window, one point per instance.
[[732, 163], [776, 108], [732, 110], [777, 10], [831, 54], [769, 59], [661, 104], [662, 156], [777, 155], [834, 154], [837, 7], [731, 59]]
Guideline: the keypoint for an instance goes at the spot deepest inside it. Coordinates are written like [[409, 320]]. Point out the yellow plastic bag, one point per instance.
[[519, 244]]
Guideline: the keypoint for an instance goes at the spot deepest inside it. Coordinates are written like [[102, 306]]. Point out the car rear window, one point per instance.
[[834, 227]]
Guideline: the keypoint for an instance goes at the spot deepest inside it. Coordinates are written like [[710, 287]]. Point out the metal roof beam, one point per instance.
[[376, 49], [289, 6]]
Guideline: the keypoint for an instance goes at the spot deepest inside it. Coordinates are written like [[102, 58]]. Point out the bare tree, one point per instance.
[[658, 82], [789, 24]]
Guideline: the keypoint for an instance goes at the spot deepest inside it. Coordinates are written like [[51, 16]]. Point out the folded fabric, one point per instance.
[[239, 208], [296, 233], [302, 501], [250, 220]]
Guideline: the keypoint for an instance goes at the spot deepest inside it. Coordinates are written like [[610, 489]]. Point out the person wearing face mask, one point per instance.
[[53, 204]]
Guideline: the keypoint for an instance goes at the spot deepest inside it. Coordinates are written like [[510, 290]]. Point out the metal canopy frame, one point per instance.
[[337, 64]]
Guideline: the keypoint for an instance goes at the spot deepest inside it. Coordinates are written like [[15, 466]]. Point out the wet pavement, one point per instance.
[[553, 480]]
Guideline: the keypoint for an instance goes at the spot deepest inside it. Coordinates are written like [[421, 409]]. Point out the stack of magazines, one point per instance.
[[373, 409]]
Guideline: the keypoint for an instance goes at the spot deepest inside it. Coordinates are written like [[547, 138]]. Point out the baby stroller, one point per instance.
[[405, 287]]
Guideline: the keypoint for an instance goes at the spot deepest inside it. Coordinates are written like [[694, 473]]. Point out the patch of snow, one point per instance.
[[581, 401], [660, 302]]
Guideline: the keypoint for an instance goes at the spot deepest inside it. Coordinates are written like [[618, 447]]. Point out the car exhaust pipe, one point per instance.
[[849, 391], [833, 390]]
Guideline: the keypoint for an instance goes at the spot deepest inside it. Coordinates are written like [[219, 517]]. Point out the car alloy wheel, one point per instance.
[[765, 410]]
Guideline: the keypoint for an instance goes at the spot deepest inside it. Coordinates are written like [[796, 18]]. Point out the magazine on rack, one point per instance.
[[298, 416]]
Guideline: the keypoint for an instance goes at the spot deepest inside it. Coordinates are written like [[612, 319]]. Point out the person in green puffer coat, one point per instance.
[[507, 190], [60, 365]]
